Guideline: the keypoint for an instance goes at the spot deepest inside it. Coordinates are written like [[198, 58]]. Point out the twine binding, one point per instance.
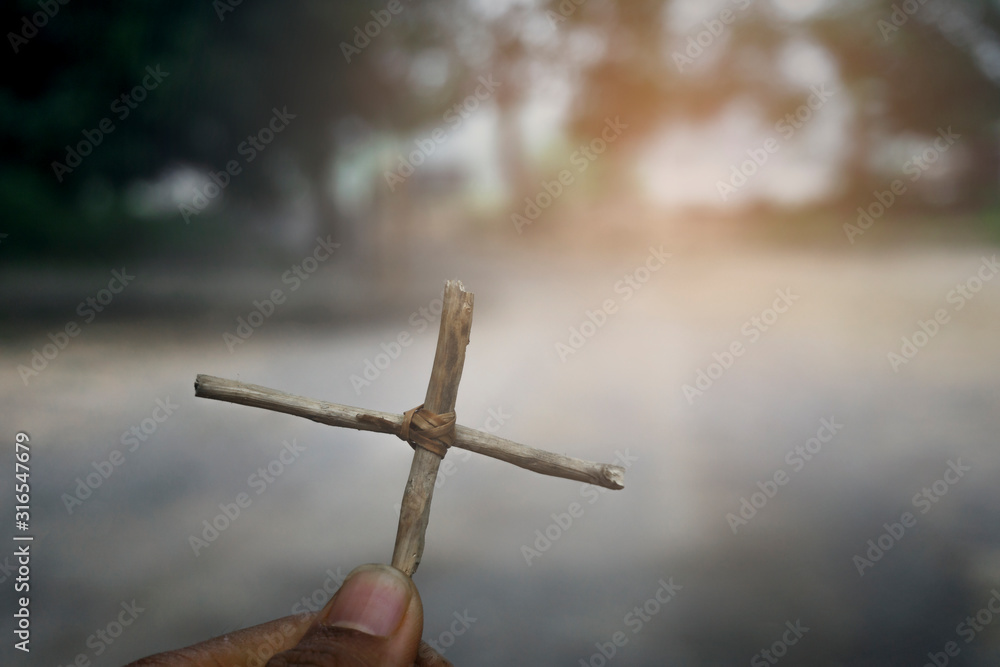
[[433, 432]]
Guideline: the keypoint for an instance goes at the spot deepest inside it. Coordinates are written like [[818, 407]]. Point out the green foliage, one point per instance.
[[226, 65], [230, 64]]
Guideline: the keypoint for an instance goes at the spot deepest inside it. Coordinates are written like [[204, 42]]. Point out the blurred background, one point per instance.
[[746, 247]]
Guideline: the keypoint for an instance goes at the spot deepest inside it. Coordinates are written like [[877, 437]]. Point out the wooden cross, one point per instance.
[[429, 428]]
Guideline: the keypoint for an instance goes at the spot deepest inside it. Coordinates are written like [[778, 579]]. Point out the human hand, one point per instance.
[[374, 620]]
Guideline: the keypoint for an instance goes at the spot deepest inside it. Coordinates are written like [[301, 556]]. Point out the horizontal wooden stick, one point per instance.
[[602, 474]]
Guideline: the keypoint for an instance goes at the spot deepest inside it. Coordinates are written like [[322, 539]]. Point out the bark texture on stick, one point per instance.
[[558, 465], [442, 392]]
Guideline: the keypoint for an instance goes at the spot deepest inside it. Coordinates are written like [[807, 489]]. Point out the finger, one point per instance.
[[374, 620], [428, 657], [250, 646]]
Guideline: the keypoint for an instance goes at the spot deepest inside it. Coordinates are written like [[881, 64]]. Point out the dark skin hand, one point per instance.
[[374, 620]]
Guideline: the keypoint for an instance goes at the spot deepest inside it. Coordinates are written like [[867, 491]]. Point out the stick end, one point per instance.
[[199, 383], [614, 476], [465, 296]]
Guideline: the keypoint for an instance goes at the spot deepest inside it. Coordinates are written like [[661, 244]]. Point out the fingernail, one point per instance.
[[373, 599]]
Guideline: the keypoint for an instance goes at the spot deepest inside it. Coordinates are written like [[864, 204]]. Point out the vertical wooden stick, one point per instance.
[[442, 391]]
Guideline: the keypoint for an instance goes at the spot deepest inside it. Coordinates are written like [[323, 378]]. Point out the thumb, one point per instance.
[[374, 620]]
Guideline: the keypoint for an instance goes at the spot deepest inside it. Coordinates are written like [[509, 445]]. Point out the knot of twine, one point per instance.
[[423, 428]]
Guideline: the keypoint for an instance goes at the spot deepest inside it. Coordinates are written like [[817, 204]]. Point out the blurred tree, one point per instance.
[[620, 56], [907, 81], [224, 67]]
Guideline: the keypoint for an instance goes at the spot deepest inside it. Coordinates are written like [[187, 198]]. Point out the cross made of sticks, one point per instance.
[[429, 428]]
